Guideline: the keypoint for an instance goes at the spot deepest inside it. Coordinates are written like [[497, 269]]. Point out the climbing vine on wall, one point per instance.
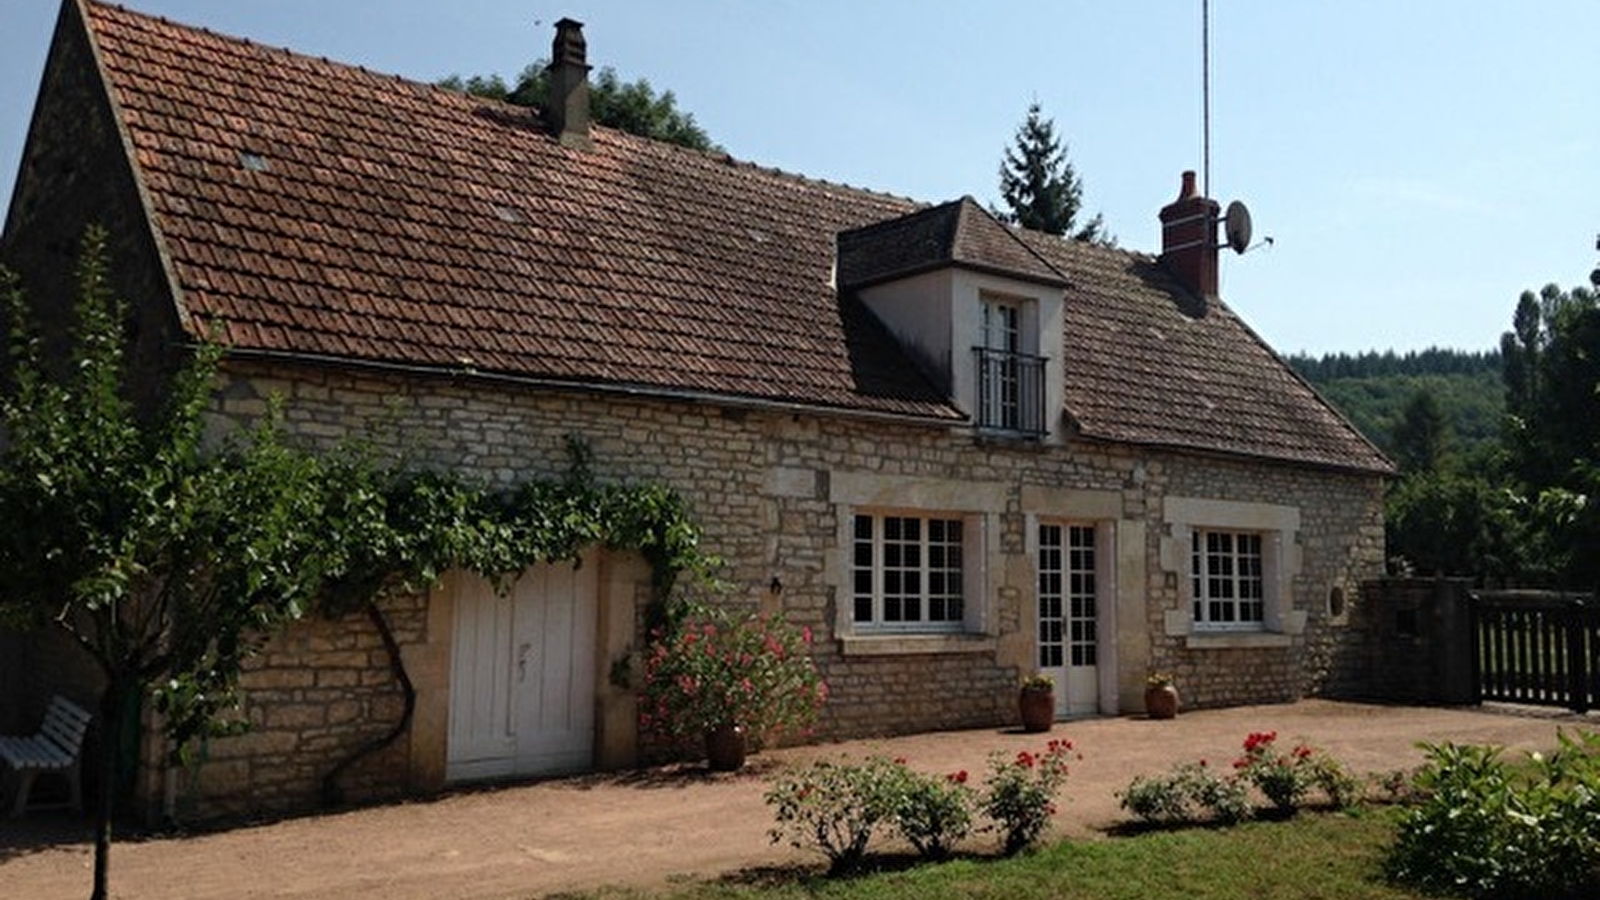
[[392, 531]]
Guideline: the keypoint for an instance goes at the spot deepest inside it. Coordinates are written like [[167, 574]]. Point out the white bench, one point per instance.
[[57, 749]]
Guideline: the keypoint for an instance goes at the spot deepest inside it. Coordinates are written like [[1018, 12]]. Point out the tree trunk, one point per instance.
[[111, 703], [332, 795]]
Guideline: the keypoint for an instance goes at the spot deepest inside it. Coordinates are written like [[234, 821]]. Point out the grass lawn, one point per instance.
[[1315, 856]]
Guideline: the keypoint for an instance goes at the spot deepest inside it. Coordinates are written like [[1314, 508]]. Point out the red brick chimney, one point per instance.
[[1189, 239], [568, 107]]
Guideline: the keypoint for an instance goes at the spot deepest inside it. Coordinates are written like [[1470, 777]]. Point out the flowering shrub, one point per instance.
[[1485, 829], [1282, 779], [712, 670], [1285, 778], [1186, 794], [835, 808], [1020, 792], [933, 812]]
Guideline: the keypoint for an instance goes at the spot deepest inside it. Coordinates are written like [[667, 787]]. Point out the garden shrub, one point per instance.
[[934, 813], [1284, 779], [714, 668], [1189, 793], [1483, 828], [834, 808], [1329, 776], [1020, 793]]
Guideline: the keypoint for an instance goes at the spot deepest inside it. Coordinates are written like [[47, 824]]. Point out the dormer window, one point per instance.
[[976, 308], [1010, 380]]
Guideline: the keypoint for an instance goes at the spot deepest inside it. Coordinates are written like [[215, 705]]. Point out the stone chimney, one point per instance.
[[1189, 240], [567, 110]]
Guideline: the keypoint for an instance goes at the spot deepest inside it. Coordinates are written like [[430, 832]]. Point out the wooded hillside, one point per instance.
[[1372, 389]]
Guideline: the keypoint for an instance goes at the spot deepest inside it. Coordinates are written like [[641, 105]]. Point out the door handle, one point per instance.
[[522, 662]]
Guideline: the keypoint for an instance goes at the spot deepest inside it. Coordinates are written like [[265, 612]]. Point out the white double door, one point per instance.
[[1068, 645], [522, 681]]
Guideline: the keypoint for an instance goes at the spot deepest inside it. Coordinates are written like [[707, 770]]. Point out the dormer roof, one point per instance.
[[959, 233]]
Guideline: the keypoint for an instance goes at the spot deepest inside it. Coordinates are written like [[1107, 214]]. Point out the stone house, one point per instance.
[[958, 451]]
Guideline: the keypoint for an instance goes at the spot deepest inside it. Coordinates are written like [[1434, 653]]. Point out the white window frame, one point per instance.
[[883, 559], [978, 504], [1011, 376], [1279, 530], [1227, 580], [1066, 581]]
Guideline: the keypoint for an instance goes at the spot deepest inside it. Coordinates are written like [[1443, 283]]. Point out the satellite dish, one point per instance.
[[1236, 225]]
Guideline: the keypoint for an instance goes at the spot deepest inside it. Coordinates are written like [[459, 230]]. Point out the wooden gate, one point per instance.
[[1537, 647]]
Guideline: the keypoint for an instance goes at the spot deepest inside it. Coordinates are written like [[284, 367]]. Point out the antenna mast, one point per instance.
[[1205, 95]]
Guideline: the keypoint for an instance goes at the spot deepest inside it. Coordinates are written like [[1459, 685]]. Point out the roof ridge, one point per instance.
[[1075, 245], [236, 39], [539, 112]]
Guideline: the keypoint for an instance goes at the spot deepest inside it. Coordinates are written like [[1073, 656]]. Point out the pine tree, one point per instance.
[[1039, 185], [1422, 435]]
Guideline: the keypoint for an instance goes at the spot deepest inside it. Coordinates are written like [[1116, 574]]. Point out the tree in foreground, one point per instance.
[[1552, 437], [633, 106], [162, 562], [1040, 188], [170, 562]]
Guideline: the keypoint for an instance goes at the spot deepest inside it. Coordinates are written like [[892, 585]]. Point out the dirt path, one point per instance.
[[648, 827]]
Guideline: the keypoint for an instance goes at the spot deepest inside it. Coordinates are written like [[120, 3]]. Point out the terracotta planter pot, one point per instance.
[[1161, 702], [1038, 710], [726, 748]]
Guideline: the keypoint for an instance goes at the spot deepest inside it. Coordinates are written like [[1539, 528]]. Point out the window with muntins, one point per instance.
[[1010, 381], [907, 573], [1227, 580], [1067, 596]]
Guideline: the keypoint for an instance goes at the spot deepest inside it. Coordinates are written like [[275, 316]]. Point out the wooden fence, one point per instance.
[[1537, 647]]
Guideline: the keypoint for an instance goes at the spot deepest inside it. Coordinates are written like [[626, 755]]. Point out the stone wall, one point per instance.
[[765, 485], [320, 689], [1412, 643], [774, 492], [1339, 545]]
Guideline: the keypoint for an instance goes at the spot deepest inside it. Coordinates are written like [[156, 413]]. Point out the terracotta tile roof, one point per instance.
[[313, 208], [316, 208], [959, 233], [1148, 363]]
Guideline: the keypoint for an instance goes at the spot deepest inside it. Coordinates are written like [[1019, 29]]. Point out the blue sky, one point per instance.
[[1418, 164]]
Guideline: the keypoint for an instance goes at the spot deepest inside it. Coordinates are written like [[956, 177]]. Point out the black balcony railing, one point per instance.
[[1011, 394]]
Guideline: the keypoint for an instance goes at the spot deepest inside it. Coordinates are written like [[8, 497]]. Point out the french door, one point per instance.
[[1069, 585]]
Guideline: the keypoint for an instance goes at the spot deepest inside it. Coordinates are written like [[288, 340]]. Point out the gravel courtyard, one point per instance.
[[646, 827]]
